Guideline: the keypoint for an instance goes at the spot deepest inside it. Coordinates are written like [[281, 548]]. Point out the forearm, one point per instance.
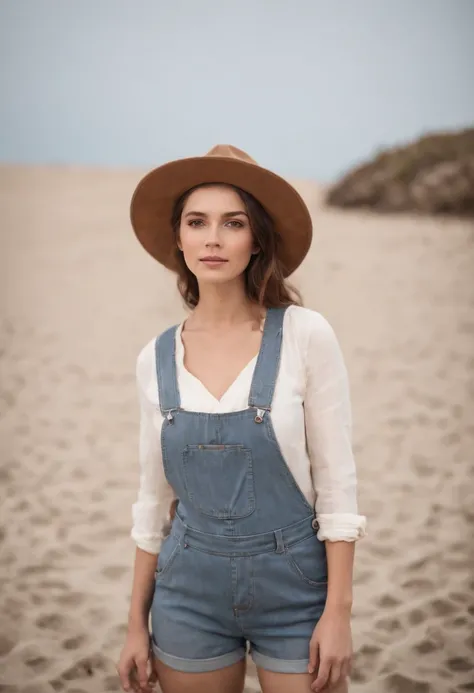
[[142, 589], [340, 558]]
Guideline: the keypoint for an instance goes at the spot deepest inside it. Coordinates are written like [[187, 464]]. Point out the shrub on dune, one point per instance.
[[432, 175]]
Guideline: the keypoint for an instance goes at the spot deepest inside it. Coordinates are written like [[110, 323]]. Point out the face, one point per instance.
[[215, 234]]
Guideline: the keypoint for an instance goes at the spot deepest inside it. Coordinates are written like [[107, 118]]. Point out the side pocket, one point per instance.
[[307, 558], [170, 548]]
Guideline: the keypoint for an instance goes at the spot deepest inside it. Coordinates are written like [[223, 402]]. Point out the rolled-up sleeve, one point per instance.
[[151, 511], [328, 421]]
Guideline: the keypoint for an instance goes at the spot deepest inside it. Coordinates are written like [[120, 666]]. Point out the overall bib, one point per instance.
[[242, 563]]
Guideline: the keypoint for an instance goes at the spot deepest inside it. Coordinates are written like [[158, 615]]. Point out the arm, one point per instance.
[[328, 421], [328, 434], [151, 512], [142, 590], [151, 516], [340, 557]]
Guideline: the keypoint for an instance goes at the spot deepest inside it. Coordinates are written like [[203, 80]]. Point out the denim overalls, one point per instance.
[[242, 563]]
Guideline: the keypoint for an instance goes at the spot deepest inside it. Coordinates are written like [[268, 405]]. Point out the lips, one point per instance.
[[213, 258]]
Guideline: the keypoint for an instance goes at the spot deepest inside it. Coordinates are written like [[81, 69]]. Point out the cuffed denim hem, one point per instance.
[[198, 665], [279, 666]]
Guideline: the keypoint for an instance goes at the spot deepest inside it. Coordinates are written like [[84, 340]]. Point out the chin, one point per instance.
[[223, 275], [214, 278]]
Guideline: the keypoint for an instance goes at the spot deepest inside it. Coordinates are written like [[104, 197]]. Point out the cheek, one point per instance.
[[188, 241], [243, 245]]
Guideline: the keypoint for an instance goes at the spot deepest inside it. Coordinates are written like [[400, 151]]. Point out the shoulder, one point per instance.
[[146, 367], [309, 325], [147, 356], [316, 341], [146, 363]]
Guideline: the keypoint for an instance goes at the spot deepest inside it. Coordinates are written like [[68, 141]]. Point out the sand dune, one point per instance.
[[79, 298]]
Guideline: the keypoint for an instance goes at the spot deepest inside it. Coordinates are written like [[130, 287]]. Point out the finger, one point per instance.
[[136, 688], [346, 668], [335, 674], [142, 671], [323, 675], [313, 656], [153, 678], [124, 675], [132, 677]]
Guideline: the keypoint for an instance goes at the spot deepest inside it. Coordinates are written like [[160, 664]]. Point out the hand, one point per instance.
[[135, 671], [330, 650]]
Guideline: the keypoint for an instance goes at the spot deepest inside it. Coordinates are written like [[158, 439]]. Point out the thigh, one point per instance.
[[271, 682], [230, 679]]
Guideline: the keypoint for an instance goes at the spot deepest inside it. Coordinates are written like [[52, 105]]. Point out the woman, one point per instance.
[[245, 433]]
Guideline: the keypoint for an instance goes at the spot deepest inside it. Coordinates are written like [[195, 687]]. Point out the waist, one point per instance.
[[244, 545]]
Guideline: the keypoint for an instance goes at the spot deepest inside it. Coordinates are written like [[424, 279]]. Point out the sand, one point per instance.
[[79, 298]]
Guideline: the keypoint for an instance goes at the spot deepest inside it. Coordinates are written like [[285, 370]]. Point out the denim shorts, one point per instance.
[[215, 595]]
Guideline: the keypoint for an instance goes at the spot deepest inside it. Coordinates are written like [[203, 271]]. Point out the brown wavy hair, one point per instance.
[[265, 282]]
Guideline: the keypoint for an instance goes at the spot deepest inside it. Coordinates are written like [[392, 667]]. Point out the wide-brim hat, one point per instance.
[[156, 194]]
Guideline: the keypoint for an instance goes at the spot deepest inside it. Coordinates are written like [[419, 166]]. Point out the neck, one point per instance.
[[223, 306]]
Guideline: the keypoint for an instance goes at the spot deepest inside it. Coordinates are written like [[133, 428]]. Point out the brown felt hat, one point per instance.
[[155, 195]]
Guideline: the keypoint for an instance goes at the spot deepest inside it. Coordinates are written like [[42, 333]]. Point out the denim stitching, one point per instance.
[[292, 563], [261, 395], [251, 593], [165, 569], [164, 359]]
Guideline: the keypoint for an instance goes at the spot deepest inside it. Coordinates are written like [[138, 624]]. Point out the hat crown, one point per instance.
[[230, 152]]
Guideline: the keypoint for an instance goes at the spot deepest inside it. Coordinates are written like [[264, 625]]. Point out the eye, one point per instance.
[[239, 224], [195, 222]]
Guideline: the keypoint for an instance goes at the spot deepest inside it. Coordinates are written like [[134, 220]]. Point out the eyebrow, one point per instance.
[[226, 215]]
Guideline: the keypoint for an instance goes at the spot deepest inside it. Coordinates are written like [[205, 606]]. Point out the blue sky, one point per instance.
[[307, 87]]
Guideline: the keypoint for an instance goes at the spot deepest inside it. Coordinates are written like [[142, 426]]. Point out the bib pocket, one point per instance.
[[219, 480]]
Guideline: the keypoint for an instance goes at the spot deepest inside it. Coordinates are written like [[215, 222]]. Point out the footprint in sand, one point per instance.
[[71, 599], [387, 601], [365, 660], [416, 616], [81, 550], [114, 572], [426, 647], [38, 664], [87, 667], [6, 645], [74, 643], [460, 664], [396, 683], [53, 621]]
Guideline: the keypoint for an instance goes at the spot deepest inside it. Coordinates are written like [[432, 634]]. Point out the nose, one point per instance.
[[213, 239], [212, 244]]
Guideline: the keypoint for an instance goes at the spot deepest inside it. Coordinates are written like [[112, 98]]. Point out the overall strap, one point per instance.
[[165, 354], [268, 361]]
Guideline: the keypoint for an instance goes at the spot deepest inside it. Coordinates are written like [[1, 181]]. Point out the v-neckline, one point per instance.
[[180, 353]]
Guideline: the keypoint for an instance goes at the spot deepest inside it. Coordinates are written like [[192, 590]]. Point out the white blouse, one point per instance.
[[311, 415]]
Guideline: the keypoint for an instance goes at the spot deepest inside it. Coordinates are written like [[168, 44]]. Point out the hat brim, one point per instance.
[[156, 194]]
